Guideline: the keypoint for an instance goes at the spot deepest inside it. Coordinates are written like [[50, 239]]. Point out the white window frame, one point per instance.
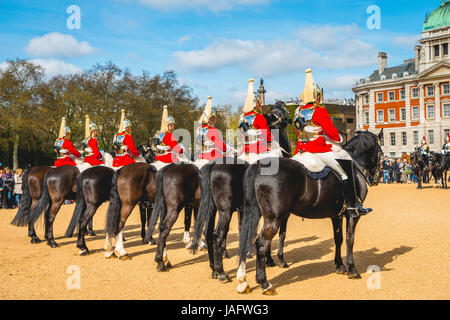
[[404, 138], [444, 86], [378, 117], [392, 135], [416, 137], [382, 97], [428, 112], [389, 115], [366, 99], [418, 113], [428, 91], [402, 112], [389, 96], [366, 117], [443, 110], [402, 94], [412, 93], [430, 136]]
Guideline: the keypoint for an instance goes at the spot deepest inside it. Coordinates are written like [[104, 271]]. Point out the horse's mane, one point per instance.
[[359, 143]]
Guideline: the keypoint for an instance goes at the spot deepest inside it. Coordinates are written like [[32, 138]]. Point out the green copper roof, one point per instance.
[[439, 18]]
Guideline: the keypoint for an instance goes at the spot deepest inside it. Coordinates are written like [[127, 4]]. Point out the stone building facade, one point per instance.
[[412, 100]]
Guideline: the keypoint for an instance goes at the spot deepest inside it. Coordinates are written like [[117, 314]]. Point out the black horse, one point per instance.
[[445, 165], [436, 168], [291, 190], [420, 165], [222, 191]]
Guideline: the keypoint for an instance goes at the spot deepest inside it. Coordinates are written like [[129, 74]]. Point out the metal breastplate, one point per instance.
[[161, 147], [62, 153], [252, 135], [203, 139], [87, 150], [118, 141], [311, 131]]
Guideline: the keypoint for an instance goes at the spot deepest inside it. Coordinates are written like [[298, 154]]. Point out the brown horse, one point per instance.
[[32, 182], [59, 185], [131, 184]]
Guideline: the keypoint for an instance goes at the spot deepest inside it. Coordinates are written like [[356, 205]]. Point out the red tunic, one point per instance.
[[67, 160], [214, 136], [96, 158], [261, 145], [321, 118], [170, 141], [126, 158]]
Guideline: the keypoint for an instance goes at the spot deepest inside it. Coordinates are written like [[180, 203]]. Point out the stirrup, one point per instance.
[[358, 211]]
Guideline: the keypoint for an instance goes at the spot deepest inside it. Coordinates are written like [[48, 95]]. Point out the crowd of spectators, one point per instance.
[[10, 188], [398, 171]]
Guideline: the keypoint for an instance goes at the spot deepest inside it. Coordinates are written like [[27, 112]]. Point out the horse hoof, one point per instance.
[[35, 240], [244, 288], [341, 270], [124, 257], [84, 252], [283, 265], [224, 278], [92, 233], [168, 265], [354, 276], [53, 244], [110, 256], [270, 264], [226, 255], [152, 241], [270, 292], [161, 268]]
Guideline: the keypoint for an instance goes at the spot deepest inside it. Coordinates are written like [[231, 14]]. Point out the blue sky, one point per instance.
[[215, 46]]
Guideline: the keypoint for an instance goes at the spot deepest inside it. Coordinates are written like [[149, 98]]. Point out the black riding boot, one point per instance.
[[353, 203]]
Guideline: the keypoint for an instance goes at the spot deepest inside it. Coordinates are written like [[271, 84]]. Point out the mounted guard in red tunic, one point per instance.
[[92, 154], [126, 150], [314, 127], [209, 136], [64, 147], [253, 125], [168, 149]]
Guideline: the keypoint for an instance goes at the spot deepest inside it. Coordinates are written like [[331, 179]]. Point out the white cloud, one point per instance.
[[51, 67], [345, 82], [54, 67], [326, 47], [185, 38], [57, 45], [211, 5], [262, 58], [407, 42]]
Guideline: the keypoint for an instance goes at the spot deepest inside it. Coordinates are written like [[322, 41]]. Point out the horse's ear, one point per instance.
[[380, 135]]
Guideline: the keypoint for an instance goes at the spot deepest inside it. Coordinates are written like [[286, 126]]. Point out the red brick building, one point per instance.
[[411, 100]]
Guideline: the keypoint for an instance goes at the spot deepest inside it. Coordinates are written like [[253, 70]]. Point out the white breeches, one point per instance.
[[329, 158]]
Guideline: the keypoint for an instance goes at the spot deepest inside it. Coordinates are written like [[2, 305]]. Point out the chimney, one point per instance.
[[417, 56], [382, 62]]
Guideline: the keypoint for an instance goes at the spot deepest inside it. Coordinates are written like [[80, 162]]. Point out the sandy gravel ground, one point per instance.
[[407, 237]]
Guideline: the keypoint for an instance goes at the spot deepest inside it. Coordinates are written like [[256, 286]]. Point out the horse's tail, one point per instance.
[[44, 201], [160, 208], [79, 210], [252, 213], [115, 204], [22, 216], [207, 206]]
